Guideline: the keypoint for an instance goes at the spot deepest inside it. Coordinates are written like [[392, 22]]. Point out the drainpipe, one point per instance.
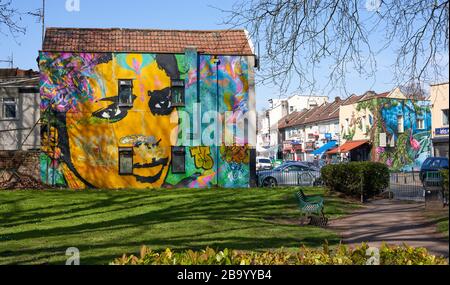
[[217, 62]]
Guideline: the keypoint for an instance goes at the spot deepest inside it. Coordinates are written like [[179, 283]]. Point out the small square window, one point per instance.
[[445, 117], [420, 124], [9, 108], [178, 159], [400, 124], [177, 92], [126, 92], [125, 161]]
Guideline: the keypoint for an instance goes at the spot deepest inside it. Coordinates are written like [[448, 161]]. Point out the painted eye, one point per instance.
[[111, 113], [159, 102], [105, 115]]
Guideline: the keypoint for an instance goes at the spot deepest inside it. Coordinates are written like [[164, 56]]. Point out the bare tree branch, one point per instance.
[[300, 36], [10, 19]]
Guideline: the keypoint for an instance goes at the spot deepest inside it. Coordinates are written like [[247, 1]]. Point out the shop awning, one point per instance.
[[324, 148], [347, 147]]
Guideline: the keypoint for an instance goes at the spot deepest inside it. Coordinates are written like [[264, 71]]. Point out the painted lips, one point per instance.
[[146, 143], [155, 163]]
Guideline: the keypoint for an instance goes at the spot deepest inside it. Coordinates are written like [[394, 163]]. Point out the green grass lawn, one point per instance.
[[440, 219], [36, 227]]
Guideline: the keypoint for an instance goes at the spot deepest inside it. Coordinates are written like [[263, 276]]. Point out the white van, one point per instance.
[[263, 163]]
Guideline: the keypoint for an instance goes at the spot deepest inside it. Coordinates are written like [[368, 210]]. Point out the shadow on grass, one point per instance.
[[117, 222]]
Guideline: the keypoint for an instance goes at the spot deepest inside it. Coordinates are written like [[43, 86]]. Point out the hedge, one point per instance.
[[444, 173], [350, 178], [341, 255]]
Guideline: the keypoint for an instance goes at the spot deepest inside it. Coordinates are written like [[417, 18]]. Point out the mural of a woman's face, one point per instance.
[[99, 127]]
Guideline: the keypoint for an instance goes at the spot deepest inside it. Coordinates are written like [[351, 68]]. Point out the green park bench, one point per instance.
[[310, 205]]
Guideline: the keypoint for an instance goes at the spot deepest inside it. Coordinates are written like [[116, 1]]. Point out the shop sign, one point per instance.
[[441, 131]]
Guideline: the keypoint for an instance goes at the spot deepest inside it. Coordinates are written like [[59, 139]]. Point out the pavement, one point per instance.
[[393, 222]]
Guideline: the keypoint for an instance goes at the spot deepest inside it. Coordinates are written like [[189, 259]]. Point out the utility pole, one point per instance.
[[43, 21]]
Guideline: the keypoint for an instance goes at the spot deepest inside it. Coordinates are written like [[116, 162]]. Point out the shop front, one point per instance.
[[352, 151], [440, 142], [292, 150]]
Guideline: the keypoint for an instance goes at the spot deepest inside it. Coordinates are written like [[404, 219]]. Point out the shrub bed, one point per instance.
[[341, 255], [350, 178]]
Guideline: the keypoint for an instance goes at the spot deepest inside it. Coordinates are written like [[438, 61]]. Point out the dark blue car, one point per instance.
[[433, 164]]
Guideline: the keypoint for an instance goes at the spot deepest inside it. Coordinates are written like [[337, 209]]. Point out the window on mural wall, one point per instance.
[[400, 125], [126, 92], [177, 92], [125, 161], [445, 117], [420, 124], [178, 159], [9, 108]]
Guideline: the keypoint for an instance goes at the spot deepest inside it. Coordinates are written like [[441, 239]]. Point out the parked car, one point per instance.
[[432, 164], [263, 163], [289, 174], [308, 164]]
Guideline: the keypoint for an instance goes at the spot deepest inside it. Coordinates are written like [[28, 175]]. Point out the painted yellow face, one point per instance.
[[101, 126]]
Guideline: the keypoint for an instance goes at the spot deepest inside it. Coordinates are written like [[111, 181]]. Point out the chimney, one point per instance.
[[284, 108]]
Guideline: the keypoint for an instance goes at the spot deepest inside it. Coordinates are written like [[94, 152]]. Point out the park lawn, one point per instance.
[[440, 219], [36, 227]]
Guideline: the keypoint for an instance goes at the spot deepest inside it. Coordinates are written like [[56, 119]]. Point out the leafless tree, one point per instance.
[[414, 90], [10, 19], [300, 36]]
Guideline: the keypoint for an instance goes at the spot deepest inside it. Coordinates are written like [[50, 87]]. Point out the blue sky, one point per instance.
[[167, 14]]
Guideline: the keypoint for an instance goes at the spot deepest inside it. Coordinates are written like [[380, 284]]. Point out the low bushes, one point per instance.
[[341, 255], [351, 178], [444, 174]]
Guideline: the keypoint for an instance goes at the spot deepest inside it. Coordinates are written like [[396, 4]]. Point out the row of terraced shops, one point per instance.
[[385, 127]]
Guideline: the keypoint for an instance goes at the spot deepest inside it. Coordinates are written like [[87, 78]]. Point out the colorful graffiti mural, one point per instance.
[[413, 146], [407, 150], [85, 126]]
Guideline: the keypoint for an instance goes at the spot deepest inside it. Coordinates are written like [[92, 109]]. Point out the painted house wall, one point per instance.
[[318, 130], [299, 102], [21, 136], [439, 97], [352, 124], [81, 148], [402, 151], [412, 146]]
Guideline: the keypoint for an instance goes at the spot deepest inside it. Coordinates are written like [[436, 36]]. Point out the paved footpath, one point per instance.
[[395, 223]]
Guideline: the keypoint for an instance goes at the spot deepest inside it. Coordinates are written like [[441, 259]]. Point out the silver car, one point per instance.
[[289, 174]]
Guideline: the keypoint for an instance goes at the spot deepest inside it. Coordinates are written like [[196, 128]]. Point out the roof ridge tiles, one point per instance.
[[225, 41], [143, 29]]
